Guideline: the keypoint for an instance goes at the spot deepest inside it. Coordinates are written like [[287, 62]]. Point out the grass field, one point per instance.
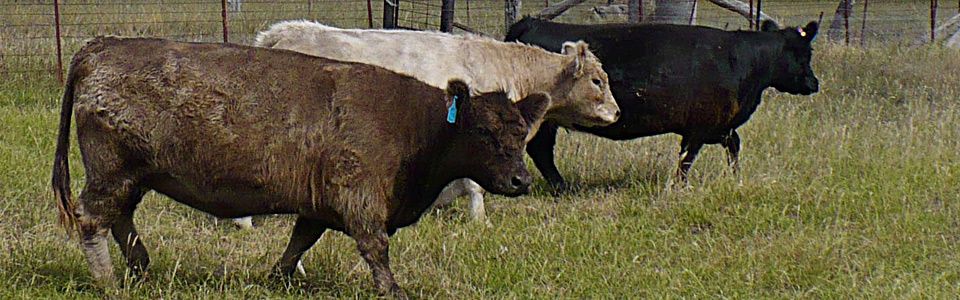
[[850, 193]]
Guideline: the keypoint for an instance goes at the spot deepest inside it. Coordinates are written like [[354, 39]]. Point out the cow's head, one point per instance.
[[490, 137], [793, 73], [587, 100]]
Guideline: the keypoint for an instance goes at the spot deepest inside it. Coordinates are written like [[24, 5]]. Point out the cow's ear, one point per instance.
[[533, 107], [769, 26], [810, 31], [579, 51], [458, 99]]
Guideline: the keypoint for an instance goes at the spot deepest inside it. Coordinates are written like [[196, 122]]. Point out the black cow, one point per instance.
[[699, 82]]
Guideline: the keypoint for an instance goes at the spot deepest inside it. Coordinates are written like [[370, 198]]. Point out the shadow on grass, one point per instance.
[[579, 185], [323, 280]]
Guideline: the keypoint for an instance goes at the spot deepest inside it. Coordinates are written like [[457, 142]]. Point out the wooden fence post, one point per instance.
[[511, 11], [846, 23], [390, 8], [446, 15], [223, 19], [56, 23], [633, 11], [750, 17], [863, 25], [370, 13]]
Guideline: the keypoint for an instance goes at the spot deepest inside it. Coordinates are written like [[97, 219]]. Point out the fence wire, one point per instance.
[[28, 32]]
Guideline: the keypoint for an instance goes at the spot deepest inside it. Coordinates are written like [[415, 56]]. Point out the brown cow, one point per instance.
[[234, 131]]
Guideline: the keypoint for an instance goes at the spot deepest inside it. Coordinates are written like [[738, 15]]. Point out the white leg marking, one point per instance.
[[244, 223], [477, 209], [300, 268]]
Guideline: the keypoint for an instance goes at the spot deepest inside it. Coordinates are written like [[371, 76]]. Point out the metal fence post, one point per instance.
[[640, 13], [390, 8], [223, 19], [750, 15], [933, 21], [757, 21], [56, 23], [693, 14], [446, 15]]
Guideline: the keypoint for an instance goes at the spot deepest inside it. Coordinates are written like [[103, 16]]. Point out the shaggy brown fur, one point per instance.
[[235, 131]]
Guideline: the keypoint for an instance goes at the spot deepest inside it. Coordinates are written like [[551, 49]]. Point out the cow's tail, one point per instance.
[[519, 28], [61, 164]]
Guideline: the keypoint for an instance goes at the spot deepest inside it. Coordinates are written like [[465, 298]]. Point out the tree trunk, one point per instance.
[[954, 41], [844, 10], [674, 11], [944, 27], [511, 12]]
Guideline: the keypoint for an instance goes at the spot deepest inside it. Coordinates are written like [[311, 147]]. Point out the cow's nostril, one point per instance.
[[617, 114], [516, 181]]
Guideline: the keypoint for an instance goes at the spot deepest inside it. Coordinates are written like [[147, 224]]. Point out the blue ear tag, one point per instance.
[[452, 111]]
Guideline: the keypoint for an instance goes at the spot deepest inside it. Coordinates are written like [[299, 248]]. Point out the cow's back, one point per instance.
[[399, 51]]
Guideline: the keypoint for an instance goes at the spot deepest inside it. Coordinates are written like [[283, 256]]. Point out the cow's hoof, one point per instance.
[[560, 189], [281, 273], [397, 293]]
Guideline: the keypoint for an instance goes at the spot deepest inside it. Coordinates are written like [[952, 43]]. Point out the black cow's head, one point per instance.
[[491, 136], [793, 72]]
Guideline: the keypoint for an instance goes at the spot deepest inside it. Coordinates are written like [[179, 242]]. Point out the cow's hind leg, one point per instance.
[[107, 202], [540, 149], [125, 234], [689, 148], [306, 232], [99, 211], [732, 143]]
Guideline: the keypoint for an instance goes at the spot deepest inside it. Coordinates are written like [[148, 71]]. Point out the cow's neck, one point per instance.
[[530, 70], [426, 177], [762, 69]]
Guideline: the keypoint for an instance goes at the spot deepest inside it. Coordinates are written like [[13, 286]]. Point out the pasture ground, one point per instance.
[[850, 193]]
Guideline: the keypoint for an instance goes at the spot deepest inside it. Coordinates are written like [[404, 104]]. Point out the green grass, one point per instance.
[[851, 193]]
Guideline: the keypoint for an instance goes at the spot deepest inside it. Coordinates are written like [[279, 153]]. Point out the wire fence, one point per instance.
[[28, 28]]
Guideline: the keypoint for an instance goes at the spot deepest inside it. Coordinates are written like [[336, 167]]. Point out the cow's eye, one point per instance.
[[596, 82]]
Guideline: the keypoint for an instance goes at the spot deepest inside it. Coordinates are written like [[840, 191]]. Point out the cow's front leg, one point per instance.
[[306, 232], [540, 149], [374, 247], [689, 148], [732, 143]]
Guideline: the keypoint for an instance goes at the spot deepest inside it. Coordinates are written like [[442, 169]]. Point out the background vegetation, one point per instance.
[[849, 193]]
